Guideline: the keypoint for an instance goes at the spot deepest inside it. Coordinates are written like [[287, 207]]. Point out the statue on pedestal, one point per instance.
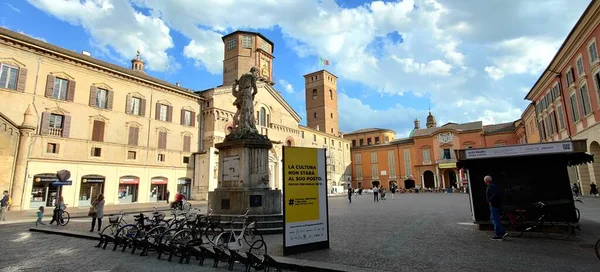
[[244, 90]]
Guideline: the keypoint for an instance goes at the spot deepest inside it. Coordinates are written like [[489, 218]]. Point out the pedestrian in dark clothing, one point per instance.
[[375, 193], [593, 190], [167, 196], [494, 198], [350, 192]]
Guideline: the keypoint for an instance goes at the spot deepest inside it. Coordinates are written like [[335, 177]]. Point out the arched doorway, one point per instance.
[[409, 184], [428, 179], [450, 179], [375, 183], [392, 184], [595, 167]]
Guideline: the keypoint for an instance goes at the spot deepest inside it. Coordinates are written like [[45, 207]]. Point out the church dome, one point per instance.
[[431, 120]]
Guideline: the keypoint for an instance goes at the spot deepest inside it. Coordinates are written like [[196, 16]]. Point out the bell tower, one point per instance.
[[321, 102], [244, 50]]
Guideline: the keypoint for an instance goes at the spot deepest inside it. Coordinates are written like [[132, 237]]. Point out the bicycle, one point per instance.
[[229, 240], [115, 222], [63, 217], [598, 249], [552, 226], [577, 210]]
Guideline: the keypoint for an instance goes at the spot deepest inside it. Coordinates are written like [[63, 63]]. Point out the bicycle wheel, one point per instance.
[[556, 228], [64, 218], [578, 215], [517, 225], [186, 207], [211, 233], [224, 238], [251, 236], [110, 230], [155, 233], [259, 247], [598, 249]]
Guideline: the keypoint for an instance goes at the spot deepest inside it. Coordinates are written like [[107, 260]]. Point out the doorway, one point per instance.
[[409, 184], [451, 178], [428, 179], [375, 183]]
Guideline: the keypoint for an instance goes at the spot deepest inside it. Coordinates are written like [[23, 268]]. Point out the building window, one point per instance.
[[265, 46], [553, 123], [330, 95], [561, 120], [101, 98], [288, 143], [332, 142], [314, 94], [376, 140], [60, 89], [407, 163], [387, 139], [374, 170], [500, 143], [186, 159], [187, 118], [361, 142], [98, 131], [359, 173], [187, 142], [368, 141], [570, 78], [339, 144], [131, 155], [9, 76], [161, 157], [134, 133], [358, 158], [580, 69], [426, 156], [163, 112], [247, 41], [52, 148], [392, 164], [55, 124], [315, 115], [262, 117], [353, 143], [597, 81], [135, 106], [585, 100], [574, 107], [162, 140], [231, 44], [373, 157], [446, 155], [593, 51], [314, 138], [324, 140], [96, 151], [331, 114]]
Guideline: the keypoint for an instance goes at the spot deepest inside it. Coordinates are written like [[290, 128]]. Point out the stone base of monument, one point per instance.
[[243, 182]]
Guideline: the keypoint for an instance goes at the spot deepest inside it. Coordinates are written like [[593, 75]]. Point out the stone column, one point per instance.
[[26, 130], [437, 177], [422, 182]]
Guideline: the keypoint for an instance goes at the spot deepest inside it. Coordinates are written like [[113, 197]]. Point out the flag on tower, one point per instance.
[[323, 61]]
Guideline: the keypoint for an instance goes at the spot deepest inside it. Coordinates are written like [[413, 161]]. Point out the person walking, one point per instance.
[[4, 205], [375, 194], [167, 194], [350, 193], [593, 190], [575, 189], [99, 212], [40, 216], [59, 207], [494, 198]]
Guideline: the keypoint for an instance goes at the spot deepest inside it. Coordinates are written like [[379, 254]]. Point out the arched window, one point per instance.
[[330, 95], [229, 129], [288, 142], [263, 117], [331, 115], [315, 115], [314, 94], [332, 130]]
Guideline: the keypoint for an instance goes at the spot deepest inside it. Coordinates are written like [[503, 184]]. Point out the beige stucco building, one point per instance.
[[131, 136]]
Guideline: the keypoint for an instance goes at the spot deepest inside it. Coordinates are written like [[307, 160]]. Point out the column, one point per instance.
[[26, 130], [458, 180], [422, 182], [437, 177]]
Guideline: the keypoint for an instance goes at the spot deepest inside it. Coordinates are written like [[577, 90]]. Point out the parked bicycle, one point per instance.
[[115, 222], [552, 226], [577, 210], [62, 217], [232, 242]]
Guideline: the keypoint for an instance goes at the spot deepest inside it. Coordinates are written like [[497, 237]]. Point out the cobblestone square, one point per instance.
[[411, 232]]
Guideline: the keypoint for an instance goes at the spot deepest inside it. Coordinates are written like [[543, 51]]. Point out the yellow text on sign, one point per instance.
[[302, 184]]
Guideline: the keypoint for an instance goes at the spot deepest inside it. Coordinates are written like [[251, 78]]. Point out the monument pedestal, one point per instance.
[[243, 180]]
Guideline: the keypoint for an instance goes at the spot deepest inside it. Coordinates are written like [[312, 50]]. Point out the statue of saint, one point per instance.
[[244, 91]]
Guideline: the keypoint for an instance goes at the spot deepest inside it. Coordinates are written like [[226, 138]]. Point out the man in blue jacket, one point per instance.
[[494, 198]]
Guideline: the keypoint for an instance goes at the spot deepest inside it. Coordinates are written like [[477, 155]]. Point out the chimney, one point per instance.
[[86, 53]]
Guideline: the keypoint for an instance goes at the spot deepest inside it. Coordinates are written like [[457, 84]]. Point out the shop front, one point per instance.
[[158, 190], [44, 192], [184, 186], [91, 187], [128, 189]]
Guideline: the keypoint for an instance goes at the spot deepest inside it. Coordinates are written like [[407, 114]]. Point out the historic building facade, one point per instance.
[[567, 94], [118, 131], [275, 118], [426, 158]]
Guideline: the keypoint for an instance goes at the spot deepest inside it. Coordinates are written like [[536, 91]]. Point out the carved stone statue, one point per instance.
[[244, 91]]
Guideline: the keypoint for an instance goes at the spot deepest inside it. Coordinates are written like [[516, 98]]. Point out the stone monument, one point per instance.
[[243, 177]]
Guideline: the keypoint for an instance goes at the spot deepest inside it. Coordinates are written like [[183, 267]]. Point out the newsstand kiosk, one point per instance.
[[526, 173]]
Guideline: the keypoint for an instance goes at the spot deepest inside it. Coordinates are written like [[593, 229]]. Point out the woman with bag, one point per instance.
[[97, 212]]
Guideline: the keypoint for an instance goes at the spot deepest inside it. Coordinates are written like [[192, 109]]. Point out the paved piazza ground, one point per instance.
[[413, 232]]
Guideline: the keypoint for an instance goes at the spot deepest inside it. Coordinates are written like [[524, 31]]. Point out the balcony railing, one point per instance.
[[452, 160], [55, 132]]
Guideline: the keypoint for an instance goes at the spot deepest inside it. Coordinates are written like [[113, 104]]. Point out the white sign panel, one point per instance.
[[383, 172], [231, 167], [518, 150]]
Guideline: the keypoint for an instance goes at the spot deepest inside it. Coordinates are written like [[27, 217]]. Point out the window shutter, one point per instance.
[[49, 85], [193, 119], [71, 90], [109, 100], [66, 130], [136, 135], [143, 107], [128, 105], [169, 113], [45, 126], [157, 112], [182, 117], [57, 148], [98, 131], [22, 79], [93, 90], [132, 136], [186, 143], [162, 140]]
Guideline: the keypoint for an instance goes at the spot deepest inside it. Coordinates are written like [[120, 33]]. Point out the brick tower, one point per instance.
[[321, 102], [243, 50]]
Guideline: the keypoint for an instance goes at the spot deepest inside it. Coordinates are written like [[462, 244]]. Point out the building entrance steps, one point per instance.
[[14, 217]]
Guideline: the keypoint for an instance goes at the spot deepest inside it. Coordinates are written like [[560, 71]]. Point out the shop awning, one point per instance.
[[159, 180], [93, 179]]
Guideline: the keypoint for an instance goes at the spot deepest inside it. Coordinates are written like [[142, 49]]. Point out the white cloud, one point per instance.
[[13, 8], [434, 67], [494, 72], [116, 24], [286, 86], [524, 55]]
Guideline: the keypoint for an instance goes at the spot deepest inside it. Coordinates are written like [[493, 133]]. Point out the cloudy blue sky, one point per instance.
[[466, 59]]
